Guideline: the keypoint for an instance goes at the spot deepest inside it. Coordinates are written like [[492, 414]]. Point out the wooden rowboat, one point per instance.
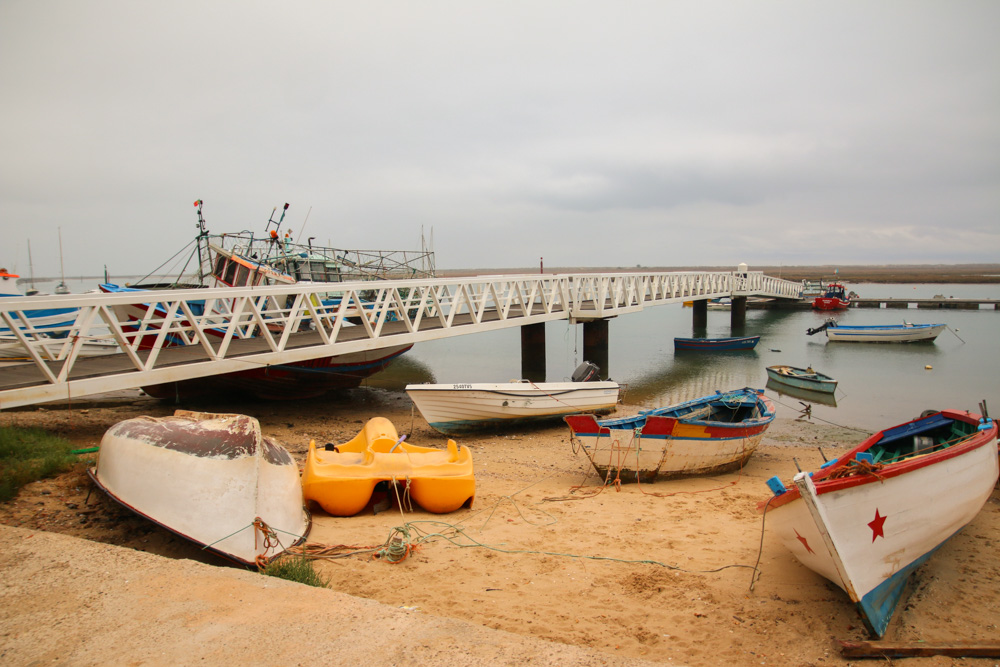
[[802, 378], [716, 344], [709, 434], [868, 519], [210, 478]]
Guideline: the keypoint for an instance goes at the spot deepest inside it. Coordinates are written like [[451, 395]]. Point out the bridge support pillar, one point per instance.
[[738, 314], [700, 315], [533, 352], [595, 345]]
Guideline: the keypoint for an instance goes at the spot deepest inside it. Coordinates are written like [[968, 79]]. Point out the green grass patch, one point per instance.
[[30, 454], [296, 568]]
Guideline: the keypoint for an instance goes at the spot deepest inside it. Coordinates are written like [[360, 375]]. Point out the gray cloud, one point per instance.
[[591, 134]]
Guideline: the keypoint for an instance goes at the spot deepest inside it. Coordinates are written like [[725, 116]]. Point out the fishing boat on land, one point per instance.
[[342, 479], [35, 319], [463, 408], [835, 297], [716, 344], [709, 434], [246, 260], [879, 333], [802, 378], [210, 478], [870, 518]]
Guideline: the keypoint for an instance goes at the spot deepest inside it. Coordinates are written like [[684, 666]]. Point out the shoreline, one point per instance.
[[656, 573]]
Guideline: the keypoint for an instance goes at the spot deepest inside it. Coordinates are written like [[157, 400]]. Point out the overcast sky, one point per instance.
[[589, 133]]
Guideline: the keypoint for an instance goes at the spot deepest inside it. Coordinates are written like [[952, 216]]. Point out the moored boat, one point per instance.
[[709, 434], [717, 344], [880, 333], [802, 378], [213, 479], [870, 518], [462, 408], [55, 348], [342, 478], [243, 260], [835, 297]]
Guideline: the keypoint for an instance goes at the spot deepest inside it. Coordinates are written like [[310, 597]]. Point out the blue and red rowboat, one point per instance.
[[868, 519], [716, 344], [709, 434]]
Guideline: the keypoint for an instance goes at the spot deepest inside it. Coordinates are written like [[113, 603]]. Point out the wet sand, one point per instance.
[[547, 567]]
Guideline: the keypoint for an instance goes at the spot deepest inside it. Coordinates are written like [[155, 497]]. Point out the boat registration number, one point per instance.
[[461, 386]]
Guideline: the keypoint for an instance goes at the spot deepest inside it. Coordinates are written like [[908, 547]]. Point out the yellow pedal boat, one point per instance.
[[342, 481]]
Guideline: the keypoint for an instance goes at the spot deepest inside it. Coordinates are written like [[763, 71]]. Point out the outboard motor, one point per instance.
[[586, 372]]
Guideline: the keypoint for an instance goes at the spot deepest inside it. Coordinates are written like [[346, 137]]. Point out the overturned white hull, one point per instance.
[[457, 408], [210, 478]]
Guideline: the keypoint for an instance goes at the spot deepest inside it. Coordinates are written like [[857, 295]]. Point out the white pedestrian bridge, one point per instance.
[[164, 336]]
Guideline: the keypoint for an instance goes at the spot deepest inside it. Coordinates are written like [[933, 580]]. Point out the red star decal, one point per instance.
[[876, 526], [804, 542]]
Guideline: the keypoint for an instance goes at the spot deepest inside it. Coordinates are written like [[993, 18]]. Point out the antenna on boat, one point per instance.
[[276, 223], [202, 234], [302, 228]]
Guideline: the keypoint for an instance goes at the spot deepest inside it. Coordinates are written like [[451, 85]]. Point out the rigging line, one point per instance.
[[167, 262], [760, 548], [849, 428]]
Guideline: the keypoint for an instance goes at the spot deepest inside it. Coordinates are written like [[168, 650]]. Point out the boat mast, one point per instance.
[[61, 287], [31, 274]]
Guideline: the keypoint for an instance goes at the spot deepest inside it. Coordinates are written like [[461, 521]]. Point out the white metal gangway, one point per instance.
[[170, 335]]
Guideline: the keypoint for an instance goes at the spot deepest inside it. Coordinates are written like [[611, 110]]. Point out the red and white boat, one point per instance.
[[835, 297], [868, 519]]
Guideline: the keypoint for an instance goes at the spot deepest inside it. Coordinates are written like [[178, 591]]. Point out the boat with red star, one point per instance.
[[870, 518]]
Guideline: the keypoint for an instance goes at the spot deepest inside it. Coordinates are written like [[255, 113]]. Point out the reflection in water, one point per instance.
[[693, 375], [401, 372], [802, 394]]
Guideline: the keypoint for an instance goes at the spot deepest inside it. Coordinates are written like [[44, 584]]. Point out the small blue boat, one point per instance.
[[716, 344]]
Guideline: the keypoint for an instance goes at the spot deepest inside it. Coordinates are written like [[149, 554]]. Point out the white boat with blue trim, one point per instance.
[[463, 408], [879, 333], [871, 517]]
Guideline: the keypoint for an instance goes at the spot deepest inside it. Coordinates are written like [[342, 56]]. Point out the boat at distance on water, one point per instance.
[[869, 518], [342, 479], [706, 435], [834, 297], [210, 478], [245, 260], [716, 344], [462, 408], [802, 378], [879, 333]]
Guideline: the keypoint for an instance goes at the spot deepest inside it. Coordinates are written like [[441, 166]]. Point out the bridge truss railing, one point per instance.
[[341, 318]]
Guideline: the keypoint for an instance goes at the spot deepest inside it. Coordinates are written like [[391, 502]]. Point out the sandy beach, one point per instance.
[[547, 567]]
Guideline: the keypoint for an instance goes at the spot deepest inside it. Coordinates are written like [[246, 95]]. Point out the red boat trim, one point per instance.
[[824, 485]]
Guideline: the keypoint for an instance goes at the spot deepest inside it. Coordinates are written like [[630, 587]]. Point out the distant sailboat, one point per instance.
[[61, 287], [31, 291]]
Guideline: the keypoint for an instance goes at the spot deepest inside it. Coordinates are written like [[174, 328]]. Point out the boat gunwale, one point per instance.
[[824, 484]]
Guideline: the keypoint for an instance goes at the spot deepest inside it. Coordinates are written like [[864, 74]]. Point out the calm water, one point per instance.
[[880, 385]]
